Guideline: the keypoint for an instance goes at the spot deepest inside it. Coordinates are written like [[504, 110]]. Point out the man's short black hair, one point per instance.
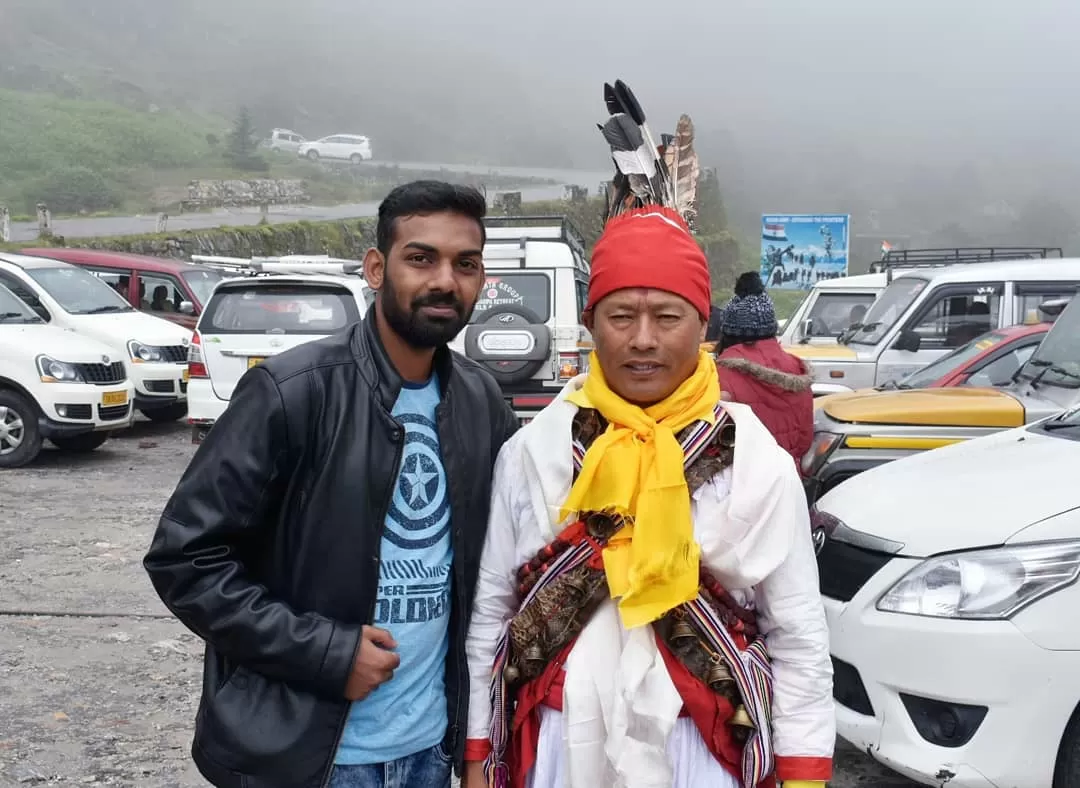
[[425, 197]]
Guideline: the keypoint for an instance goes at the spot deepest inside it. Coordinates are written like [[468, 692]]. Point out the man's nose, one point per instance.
[[644, 335], [442, 277]]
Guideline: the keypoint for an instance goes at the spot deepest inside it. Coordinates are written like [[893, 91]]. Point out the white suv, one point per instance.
[[526, 329], [70, 297], [55, 385], [251, 318], [345, 147]]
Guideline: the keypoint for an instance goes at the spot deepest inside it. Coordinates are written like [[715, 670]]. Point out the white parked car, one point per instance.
[[949, 580], [55, 385], [284, 140], [249, 319], [344, 147], [70, 297]]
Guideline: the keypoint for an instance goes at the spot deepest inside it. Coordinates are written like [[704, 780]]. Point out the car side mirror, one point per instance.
[[909, 341], [808, 327], [187, 308]]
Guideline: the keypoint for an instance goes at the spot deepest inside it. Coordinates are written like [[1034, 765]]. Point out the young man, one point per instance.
[[648, 610], [324, 540]]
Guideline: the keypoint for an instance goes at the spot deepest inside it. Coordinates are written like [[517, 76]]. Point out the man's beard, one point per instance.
[[420, 330]]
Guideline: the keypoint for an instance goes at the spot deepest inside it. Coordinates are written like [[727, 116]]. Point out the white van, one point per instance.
[[925, 313], [251, 318], [55, 385], [67, 296], [950, 587]]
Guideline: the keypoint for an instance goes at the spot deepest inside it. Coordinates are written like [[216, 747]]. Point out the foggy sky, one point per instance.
[[868, 102]]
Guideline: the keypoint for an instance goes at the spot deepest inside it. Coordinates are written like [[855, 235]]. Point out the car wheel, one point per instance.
[[80, 444], [166, 414], [20, 438], [1067, 768], [313, 155], [356, 158], [520, 324]]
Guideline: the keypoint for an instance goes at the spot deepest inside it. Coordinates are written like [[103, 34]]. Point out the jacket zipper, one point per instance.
[[399, 445]]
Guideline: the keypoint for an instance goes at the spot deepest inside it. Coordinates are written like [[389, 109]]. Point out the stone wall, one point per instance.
[[349, 239], [258, 191]]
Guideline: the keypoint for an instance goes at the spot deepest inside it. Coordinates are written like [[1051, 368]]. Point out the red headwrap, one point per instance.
[[650, 247]]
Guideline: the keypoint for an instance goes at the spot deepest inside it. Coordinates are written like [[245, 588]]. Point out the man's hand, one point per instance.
[[473, 776], [374, 665]]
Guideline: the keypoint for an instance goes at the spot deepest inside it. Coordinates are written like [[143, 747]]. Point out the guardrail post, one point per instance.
[[5, 225], [44, 220]]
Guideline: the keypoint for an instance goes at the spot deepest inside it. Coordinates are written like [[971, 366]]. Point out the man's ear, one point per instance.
[[704, 330], [374, 268], [587, 319]]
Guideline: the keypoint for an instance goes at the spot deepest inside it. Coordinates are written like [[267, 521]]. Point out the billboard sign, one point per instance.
[[799, 250]]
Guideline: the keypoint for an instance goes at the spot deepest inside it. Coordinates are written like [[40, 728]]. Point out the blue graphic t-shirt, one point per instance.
[[408, 713]]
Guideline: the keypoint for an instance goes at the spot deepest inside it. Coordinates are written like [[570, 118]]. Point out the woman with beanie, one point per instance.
[[756, 371]]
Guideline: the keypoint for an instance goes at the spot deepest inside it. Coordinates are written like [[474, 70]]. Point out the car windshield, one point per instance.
[[13, 310], [833, 313], [279, 309], [887, 310], [504, 291], [202, 283], [1057, 361], [951, 362], [79, 292]]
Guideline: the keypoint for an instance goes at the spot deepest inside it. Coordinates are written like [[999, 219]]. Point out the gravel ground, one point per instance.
[[109, 698]]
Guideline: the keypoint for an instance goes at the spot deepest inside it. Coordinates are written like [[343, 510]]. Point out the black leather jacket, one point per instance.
[[269, 548]]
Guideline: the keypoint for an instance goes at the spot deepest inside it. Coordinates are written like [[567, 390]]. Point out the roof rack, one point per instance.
[[939, 258], [287, 264], [553, 227]]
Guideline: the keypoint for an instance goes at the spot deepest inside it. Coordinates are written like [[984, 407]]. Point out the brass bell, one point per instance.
[[534, 654], [511, 674], [683, 631], [718, 674], [741, 718]]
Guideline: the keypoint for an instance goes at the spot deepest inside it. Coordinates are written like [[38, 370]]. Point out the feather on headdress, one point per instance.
[[647, 173]]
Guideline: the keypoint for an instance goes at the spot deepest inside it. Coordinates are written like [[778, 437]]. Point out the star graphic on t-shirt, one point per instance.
[[418, 480]]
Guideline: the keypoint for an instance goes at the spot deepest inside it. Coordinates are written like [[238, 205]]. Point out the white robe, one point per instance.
[[619, 726]]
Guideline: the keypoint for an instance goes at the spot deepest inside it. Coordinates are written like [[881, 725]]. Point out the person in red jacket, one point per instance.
[[756, 371]]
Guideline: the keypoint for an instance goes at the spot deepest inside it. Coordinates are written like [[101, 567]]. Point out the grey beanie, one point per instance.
[[750, 314]]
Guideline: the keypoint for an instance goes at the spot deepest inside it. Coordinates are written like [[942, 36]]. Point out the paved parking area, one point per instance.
[[98, 685]]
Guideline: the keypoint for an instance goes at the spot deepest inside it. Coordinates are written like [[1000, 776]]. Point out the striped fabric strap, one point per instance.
[[749, 668]]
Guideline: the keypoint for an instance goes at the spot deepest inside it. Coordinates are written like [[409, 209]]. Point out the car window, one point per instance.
[[25, 294], [956, 317], [1000, 371], [531, 291], [833, 313], [887, 309], [160, 293], [581, 288], [79, 292], [116, 278], [951, 362], [202, 283], [279, 309], [15, 310], [1028, 302]]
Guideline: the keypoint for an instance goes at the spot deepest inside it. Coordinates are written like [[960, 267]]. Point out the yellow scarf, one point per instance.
[[636, 468]]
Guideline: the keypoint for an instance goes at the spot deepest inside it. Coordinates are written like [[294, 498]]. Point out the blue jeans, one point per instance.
[[426, 769]]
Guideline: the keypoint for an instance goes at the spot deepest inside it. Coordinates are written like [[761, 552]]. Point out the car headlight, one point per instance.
[[53, 371], [141, 353], [824, 442], [984, 584]]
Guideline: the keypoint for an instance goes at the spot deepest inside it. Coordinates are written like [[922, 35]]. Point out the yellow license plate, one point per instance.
[[255, 360], [114, 398], [186, 376]]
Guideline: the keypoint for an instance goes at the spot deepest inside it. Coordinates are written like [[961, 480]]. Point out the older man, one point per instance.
[[648, 611]]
